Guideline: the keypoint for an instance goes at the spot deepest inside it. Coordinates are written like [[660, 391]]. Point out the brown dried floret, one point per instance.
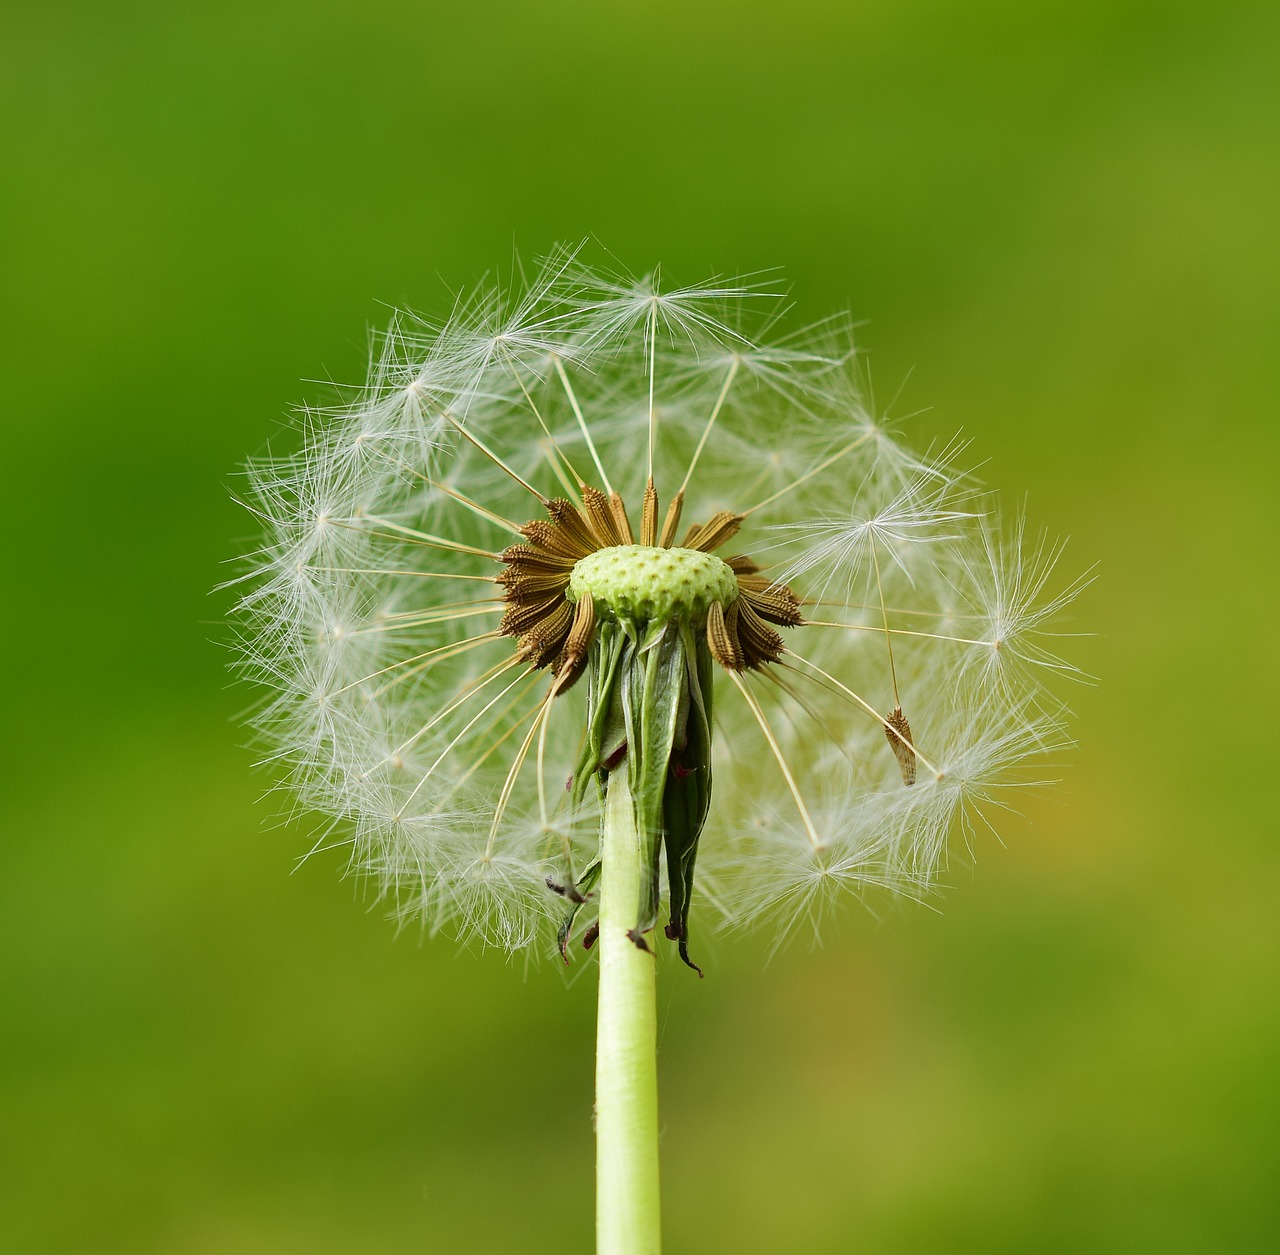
[[721, 526]]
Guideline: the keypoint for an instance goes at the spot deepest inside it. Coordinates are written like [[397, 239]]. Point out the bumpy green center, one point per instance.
[[647, 584]]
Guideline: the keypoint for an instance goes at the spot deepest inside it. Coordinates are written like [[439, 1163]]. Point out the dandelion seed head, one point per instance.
[[446, 550]]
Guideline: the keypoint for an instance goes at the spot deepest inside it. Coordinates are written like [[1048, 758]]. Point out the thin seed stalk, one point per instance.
[[628, 1212]]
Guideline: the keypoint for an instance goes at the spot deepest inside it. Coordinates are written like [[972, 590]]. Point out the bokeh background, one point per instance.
[[1060, 223]]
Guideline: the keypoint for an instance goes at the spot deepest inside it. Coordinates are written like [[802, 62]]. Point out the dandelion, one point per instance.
[[588, 546]]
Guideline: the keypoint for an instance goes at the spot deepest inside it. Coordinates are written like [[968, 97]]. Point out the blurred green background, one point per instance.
[[1060, 223]]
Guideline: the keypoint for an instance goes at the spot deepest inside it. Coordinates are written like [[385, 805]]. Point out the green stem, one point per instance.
[[628, 1214]]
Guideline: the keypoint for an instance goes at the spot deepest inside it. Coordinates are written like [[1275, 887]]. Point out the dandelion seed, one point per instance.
[[898, 732]]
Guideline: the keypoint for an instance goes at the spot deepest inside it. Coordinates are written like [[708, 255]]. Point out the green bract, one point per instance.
[[649, 703]]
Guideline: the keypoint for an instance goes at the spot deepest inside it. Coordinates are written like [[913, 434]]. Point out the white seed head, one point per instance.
[[402, 705]]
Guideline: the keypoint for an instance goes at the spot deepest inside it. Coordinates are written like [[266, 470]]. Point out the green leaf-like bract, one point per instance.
[[649, 704]]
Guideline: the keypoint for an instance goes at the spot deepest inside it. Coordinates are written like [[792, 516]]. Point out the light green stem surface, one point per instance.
[[628, 1214]]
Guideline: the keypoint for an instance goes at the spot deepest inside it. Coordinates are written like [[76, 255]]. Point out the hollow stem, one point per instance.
[[628, 1214]]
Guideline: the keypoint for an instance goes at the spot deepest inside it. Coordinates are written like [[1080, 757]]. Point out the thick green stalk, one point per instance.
[[628, 1214]]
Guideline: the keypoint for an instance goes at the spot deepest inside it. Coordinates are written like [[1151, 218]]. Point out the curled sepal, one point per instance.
[[655, 707], [585, 884], [606, 735], [688, 793]]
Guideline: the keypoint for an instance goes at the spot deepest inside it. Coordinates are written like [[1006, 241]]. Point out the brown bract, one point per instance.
[[555, 632]]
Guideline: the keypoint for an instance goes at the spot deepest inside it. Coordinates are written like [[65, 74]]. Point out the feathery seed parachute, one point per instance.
[[588, 520]]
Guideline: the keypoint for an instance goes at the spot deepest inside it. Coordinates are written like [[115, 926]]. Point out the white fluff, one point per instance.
[[391, 712]]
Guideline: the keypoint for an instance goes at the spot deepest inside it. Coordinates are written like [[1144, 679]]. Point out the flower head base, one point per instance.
[[875, 661], [652, 585]]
